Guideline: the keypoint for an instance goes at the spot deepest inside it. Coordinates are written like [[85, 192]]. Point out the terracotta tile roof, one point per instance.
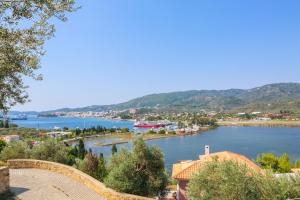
[[185, 169]]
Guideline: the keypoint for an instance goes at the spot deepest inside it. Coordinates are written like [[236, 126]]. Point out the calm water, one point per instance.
[[248, 141], [71, 122]]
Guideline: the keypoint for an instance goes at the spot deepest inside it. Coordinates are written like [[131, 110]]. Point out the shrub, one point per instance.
[[280, 164], [51, 151], [228, 180], [139, 171], [90, 165], [15, 150], [2, 145]]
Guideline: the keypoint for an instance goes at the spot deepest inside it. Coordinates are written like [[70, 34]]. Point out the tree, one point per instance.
[[229, 180], [51, 150], [2, 145], [81, 149], [90, 165], [114, 149], [284, 164], [280, 164], [6, 123], [268, 161], [24, 28], [101, 171], [15, 150], [139, 171]]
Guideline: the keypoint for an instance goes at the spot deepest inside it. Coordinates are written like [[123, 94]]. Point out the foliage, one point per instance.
[[139, 171], [125, 116], [101, 171], [49, 150], [229, 180], [124, 130], [114, 149], [81, 149], [8, 195], [24, 133], [90, 165], [2, 145], [14, 150], [52, 151], [280, 164], [24, 27]]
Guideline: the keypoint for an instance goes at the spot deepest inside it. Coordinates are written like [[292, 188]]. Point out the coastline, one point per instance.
[[272, 123], [126, 137]]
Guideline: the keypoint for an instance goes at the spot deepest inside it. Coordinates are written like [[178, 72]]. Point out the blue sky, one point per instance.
[[111, 51]]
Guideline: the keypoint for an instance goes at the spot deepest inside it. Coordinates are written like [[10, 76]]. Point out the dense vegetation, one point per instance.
[[139, 171], [281, 164], [228, 180]]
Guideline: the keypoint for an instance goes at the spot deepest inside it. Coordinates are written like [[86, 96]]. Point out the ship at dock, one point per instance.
[[151, 125]]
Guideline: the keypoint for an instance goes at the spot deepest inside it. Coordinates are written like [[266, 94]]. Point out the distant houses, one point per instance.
[[58, 134]]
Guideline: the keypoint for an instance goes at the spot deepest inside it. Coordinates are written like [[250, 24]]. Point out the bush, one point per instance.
[[2, 145], [51, 151], [89, 165], [280, 164], [228, 180], [139, 171], [15, 150]]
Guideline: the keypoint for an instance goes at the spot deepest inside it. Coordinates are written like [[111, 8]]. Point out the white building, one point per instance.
[[58, 134]]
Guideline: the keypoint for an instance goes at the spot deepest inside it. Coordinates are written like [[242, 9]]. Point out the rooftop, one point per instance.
[[184, 170]]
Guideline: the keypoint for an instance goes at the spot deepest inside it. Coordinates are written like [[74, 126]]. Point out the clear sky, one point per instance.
[[111, 51]]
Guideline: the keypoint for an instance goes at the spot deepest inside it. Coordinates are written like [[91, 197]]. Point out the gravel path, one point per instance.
[[36, 184]]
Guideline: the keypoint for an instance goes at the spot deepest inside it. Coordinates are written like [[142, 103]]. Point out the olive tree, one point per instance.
[[24, 27], [229, 180], [139, 171]]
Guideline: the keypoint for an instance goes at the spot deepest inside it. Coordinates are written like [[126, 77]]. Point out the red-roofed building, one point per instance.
[[184, 170]]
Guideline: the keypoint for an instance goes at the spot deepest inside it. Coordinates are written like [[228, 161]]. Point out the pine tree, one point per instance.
[[81, 149], [102, 171], [114, 149]]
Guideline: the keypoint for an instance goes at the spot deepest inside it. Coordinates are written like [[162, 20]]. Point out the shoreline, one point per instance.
[[125, 138], [253, 123]]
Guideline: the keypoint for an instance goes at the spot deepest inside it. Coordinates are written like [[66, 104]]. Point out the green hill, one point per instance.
[[272, 97], [267, 98]]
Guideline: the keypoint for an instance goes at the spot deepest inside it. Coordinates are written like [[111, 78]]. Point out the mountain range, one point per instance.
[[272, 98]]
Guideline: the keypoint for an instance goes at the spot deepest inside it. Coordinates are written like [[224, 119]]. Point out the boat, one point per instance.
[[148, 125]]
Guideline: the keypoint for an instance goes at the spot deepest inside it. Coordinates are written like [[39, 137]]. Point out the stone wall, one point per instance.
[[4, 179], [75, 174]]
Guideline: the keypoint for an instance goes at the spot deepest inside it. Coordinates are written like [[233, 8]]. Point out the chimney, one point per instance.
[[206, 149]]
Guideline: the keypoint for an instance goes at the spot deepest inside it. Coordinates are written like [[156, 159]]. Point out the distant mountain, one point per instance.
[[272, 97]]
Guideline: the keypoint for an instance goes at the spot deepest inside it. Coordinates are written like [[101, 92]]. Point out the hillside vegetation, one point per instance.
[[272, 98]]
